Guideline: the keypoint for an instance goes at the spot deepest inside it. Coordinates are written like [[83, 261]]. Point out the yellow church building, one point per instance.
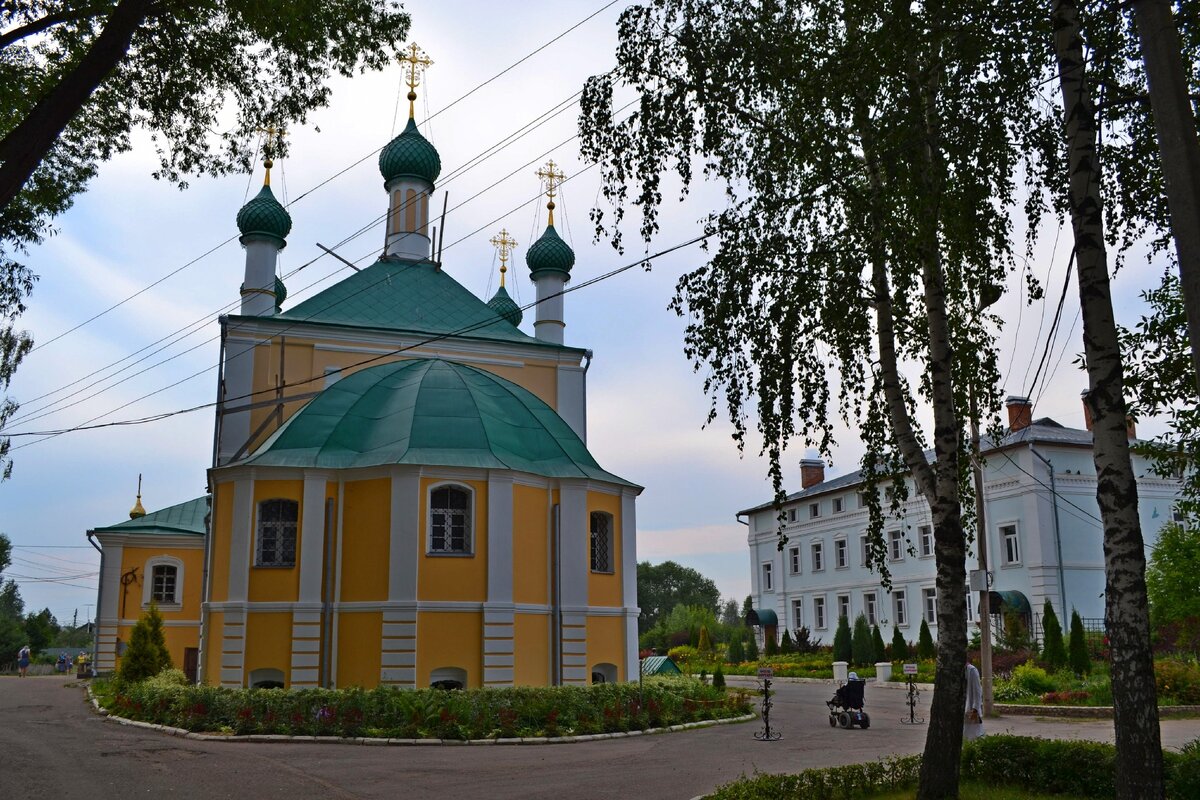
[[401, 491]]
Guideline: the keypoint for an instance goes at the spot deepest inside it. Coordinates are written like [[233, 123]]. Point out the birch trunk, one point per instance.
[[1135, 712]]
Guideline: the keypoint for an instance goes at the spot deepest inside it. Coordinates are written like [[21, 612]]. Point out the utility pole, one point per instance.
[[985, 615]]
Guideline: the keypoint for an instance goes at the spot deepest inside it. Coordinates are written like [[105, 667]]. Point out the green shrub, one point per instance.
[[878, 649], [705, 645], [1183, 771], [771, 647], [736, 653], [1033, 679], [751, 648], [842, 648], [1178, 681], [1080, 661], [146, 654], [718, 679], [785, 644], [1081, 769], [861, 645], [925, 648], [899, 646], [852, 780], [1007, 690], [1054, 653]]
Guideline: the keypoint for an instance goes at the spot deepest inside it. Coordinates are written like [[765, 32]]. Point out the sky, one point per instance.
[[172, 260]]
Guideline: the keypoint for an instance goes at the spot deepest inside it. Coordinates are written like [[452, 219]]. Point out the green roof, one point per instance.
[[264, 216], [550, 254], [411, 154], [506, 307], [430, 412], [183, 518], [660, 665], [413, 296]]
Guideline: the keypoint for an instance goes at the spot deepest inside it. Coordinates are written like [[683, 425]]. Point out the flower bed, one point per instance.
[[817, 665], [426, 713]]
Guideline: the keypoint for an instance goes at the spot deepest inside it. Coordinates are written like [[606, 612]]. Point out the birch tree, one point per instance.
[[869, 152]]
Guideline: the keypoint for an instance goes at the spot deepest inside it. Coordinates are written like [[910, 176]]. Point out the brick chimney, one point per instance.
[[812, 472], [1130, 425], [1020, 412]]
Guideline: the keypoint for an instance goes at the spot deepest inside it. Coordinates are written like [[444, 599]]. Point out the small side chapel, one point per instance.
[[401, 491]]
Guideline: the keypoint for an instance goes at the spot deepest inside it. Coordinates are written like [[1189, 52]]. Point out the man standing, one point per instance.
[[23, 659], [973, 714]]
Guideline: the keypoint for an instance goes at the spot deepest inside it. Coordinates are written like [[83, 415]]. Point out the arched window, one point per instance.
[[602, 542], [450, 520], [163, 584], [604, 673], [266, 679], [276, 541], [448, 678]]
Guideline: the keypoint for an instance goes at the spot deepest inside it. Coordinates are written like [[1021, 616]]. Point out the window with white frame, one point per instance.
[[869, 600], [819, 613], [791, 515], [1011, 544], [900, 607], [818, 556], [767, 584], [926, 532], [843, 606], [839, 505], [970, 606], [450, 531], [163, 583], [602, 542], [895, 545], [862, 546], [797, 613], [275, 545], [794, 558], [841, 553], [814, 510], [1178, 515], [929, 604]]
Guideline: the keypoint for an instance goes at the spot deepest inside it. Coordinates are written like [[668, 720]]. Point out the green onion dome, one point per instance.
[[550, 254], [506, 307], [410, 154], [280, 293], [264, 216]]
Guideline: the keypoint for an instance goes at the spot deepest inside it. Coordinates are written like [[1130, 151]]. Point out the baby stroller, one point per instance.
[[846, 706]]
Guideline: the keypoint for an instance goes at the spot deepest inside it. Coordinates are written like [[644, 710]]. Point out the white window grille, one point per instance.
[[926, 540], [163, 580], [1012, 544], [869, 599], [900, 606], [818, 556], [895, 545], [843, 602], [766, 577], [819, 613], [929, 601], [841, 553]]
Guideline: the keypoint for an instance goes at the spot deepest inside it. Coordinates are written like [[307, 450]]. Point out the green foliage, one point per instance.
[[705, 643], [880, 651], [1080, 769], [737, 651], [1177, 681], [429, 713], [770, 646], [862, 647], [1173, 575], [786, 647], [40, 630], [899, 646], [1183, 771], [751, 648], [729, 614], [12, 607], [718, 678], [664, 587], [803, 642], [826, 783], [681, 626], [1077, 656], [1032, 679], [146, 655], [1054, 652], [925, 648], [1015, 637], [842, 644]]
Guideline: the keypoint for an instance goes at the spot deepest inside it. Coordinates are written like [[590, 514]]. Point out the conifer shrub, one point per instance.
[[862, 647], [705, 645], [899, 646], [785, 643], [1080, 661], [771, 647], [925, 648], [147, 654], [719, 678], [1054, 652], [880, 649], [842, 645], [751, 648], [736, 653]]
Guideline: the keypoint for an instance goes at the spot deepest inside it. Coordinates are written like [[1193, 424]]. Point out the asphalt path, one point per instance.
[[53, 745]]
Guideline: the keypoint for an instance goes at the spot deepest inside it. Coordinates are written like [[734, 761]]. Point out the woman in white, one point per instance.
[[973, 713]]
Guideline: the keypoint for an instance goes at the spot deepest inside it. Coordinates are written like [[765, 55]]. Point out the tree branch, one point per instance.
[[48, 21]]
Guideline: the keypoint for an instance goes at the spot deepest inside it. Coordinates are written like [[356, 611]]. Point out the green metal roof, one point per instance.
[[183, 518], [506, 307], [660, 665], [264, 216], [410, 153], [430, 412], [550, 254], [762, 616], [413, 296]]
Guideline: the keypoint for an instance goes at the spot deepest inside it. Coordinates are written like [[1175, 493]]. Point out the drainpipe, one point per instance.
[[327, 597], [587, 363], [1062, 587], [556, 613], [99, 597], [220, 396], [205, 598]]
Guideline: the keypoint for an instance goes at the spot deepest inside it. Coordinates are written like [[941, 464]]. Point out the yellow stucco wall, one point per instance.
[[366, 522], [454, 577], [222, 527], [211, 656], [604, 589], [450, 639], [531, 545], [268, 643], [189, 593], [531, 650], [606, 643], [359, 648], [276, 584]]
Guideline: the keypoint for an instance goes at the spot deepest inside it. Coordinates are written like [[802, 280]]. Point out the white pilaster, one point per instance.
[[573, 572], [258, 287], [233, 649], [549, 324], [306, 646], [241, 539], [404, 545], [312, 539], [110, 609], [572, 399], [498, 610], [629, 580], [399, 651]]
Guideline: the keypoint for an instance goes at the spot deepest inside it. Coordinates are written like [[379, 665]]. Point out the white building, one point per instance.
[[1044, 537]]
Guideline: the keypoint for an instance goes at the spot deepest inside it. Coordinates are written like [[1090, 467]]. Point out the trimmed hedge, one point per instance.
[[388, 712], [827, 783]]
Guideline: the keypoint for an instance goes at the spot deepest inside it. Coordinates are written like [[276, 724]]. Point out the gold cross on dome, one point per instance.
[[504, 244], [418, 61], [552, 178], [272, 139]]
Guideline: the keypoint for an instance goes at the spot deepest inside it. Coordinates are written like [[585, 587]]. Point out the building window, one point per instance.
[[798, 613], [1178, 515], [819, 613], [841, 554], [794, 556], [929, 601], [602, 542], [900, 606], [162, 582], [1012, 547], [766, 578], [276, 545], [818, 556], [450, 520], [970, 607], [869, 599], [814, 510], [839, 505], [895, 545], [843, 601], [926, 540], [791, 515], [862, 544]]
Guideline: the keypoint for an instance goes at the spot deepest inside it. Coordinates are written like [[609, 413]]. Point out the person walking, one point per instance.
[[973, 713], [23, 657]]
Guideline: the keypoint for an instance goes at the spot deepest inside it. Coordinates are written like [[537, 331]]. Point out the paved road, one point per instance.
[[51, 745]]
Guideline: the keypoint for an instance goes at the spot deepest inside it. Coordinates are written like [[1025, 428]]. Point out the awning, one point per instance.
[[999, 602], [763, 617]]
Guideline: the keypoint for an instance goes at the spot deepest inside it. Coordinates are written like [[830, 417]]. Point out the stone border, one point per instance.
[[377, 742], [827, 681], [1084, 712]]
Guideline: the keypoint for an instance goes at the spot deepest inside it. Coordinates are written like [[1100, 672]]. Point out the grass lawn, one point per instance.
[[968, 790]]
